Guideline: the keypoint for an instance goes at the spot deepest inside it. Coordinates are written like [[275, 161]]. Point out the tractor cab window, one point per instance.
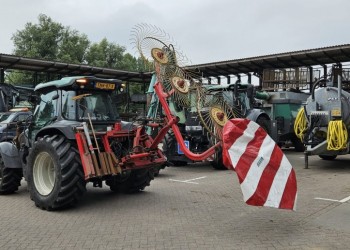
[[68, 105], [47, 110], [82, 105]]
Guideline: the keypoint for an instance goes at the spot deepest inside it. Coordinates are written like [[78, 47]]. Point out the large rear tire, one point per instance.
[[170, 147], [218, 163], [328, 157], [298, 144], [134, 182], [10, 178], [264, 122], [55, 174]]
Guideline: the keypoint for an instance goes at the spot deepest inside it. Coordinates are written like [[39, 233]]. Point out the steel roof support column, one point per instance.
[[249, 78], [2, 75], [324, 70], [238, 78], [340, 73], [228, 79], [219, 80], [311, 72], [145, 94], [127, 97]]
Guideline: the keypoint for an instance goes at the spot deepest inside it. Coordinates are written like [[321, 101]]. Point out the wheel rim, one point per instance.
[[44, 173]]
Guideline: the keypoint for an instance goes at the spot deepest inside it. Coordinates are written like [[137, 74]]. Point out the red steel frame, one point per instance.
[[172, 122], [154, 155]]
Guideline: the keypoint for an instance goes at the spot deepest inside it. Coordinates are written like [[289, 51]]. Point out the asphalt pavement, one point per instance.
[[190, 207]]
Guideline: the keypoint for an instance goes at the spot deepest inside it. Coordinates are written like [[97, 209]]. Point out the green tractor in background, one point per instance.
[[288, 89], [241, 97], [283, 107]]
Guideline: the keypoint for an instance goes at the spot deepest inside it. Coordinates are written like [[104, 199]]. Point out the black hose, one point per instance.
[[315, 85]]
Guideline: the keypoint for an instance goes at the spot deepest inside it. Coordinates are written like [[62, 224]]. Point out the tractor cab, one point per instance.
[[72, 100]]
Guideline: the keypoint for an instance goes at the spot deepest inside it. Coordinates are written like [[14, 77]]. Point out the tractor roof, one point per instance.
[[69, 81]]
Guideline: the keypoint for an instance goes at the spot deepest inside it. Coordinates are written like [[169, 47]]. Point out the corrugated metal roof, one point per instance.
[[310, 57], [69, 69]]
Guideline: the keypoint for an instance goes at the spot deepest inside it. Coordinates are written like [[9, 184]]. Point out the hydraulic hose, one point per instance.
[[337, 135], [300, 124]]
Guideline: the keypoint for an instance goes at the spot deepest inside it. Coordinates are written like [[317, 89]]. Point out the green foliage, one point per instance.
[[73, 47], [50, 40], [39, 40], [105, 54]]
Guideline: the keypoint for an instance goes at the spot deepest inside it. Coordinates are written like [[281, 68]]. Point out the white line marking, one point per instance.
[[197, 178], [184, 181], [325, 199], [341, 201], [190, 180], [345, 199]]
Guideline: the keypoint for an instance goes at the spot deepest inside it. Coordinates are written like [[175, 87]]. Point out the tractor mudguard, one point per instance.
[[61, 127], [253, 114], [262, 118], [10, 156]]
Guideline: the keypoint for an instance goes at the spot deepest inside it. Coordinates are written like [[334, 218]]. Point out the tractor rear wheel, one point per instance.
[[134, 182], [264, 122], [217, 163], [298, 144], [10, 178], [170, 149], [55, 175], [328, 157]]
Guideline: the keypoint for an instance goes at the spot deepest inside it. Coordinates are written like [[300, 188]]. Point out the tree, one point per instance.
[[39, 40], [105, 54], [51, 40], [73, 47], [47, 40]]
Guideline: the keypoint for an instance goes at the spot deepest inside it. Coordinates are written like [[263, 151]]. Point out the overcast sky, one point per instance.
[[205, 30]]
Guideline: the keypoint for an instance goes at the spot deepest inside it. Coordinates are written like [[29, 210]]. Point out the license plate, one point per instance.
[[179, 151], [101, 85]]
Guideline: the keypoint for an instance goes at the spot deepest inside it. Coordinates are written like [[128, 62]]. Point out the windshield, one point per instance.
[[96, 105], [47, 110], [3, 117]]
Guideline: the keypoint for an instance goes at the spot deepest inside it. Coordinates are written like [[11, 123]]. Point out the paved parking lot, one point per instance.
[[190, 207]]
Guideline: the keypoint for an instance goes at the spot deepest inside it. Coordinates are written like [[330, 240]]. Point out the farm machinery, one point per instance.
[[239, 97], [323, 123], [75, 135], [288, 89]]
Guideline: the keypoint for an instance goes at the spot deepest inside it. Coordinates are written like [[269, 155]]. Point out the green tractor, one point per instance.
[[75, 136], [283, 107], [240, 97]]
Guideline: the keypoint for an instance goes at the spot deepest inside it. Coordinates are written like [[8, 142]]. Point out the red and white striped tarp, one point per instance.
[[264, 172]]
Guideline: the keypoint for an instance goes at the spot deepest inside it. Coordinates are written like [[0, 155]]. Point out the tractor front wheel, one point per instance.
[[55, 175]]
